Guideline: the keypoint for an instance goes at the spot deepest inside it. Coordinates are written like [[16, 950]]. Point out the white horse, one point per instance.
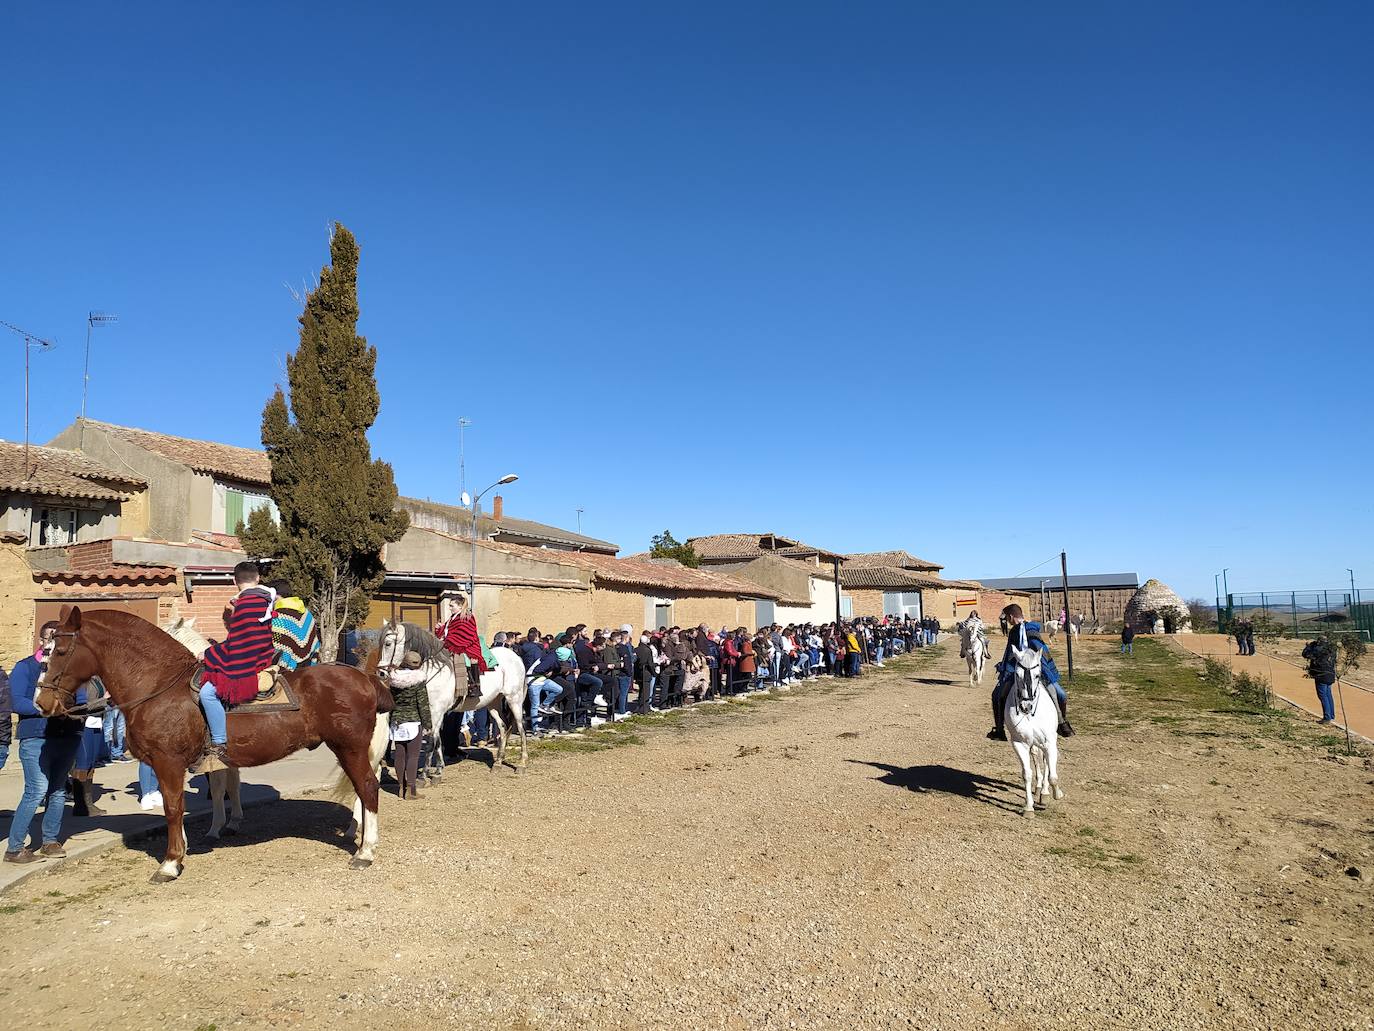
[[222, 782], [446, 682], [973, 645], [1031, 717]]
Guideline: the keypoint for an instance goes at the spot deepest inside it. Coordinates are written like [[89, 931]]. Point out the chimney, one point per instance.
[[497, 508]]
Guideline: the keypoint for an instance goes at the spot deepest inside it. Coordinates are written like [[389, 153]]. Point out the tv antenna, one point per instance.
[[463, 423], [92, 320], [30, 339], [580, 510]]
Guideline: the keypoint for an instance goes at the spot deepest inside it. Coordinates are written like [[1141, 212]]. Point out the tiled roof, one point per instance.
[[900, 559], [224, 541], [608, 569], [64, 474], [719, 546], [456, 520], [113, 574], [244, 464], [886, 577]]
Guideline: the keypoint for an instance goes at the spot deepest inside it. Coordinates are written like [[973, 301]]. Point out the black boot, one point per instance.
[[78, 797], [474, 682], [997, 733], [1064, 729]]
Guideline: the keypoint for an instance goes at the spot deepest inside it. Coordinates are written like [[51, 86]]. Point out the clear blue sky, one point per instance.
[[978, 281]]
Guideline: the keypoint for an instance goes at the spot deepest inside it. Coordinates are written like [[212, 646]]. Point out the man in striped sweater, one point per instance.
[[231, 666]]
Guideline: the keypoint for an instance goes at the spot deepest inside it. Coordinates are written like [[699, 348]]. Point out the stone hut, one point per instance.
[[1144, 609]]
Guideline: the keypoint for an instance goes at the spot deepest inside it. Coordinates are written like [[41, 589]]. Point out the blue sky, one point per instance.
[[978, 281]]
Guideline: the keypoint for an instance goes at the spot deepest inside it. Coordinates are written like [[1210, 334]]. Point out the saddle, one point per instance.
[[274, 693]]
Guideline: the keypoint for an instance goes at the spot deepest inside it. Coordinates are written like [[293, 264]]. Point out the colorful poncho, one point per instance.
[[233, 664], [459, 635], [295, 634]]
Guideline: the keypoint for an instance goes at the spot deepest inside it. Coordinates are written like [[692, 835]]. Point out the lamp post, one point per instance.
[[1353, 599], [472, 568]]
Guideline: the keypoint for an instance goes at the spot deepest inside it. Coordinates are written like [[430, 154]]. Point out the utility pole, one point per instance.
[[463, 423], [580, 510], [836, 562], [1068, 636], [1353, 599], [29, 340]]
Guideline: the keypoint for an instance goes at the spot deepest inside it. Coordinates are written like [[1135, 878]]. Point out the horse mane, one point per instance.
[[420, 640], [147, 650]]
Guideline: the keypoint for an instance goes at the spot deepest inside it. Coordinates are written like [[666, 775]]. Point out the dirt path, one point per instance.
[[1288, 678], [844, 856]]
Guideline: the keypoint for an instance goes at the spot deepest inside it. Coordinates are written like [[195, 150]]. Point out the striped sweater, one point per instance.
[[233, 664]]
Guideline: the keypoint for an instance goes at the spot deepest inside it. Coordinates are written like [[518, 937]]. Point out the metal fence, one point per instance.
[[1302, 613]]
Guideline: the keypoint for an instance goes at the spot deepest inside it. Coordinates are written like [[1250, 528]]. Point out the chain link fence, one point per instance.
[[1300, 613]]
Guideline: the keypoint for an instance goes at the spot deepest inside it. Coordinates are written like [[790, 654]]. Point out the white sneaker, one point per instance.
[[152, 800], [621, 716], [596, 721], [599, 700]]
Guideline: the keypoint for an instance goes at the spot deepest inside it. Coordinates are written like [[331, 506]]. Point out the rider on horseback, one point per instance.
[[1022, 634], [972, 628], [459, 634], [230, 667]]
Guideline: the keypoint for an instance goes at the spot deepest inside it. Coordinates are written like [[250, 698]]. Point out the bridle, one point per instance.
[[1027, 689], [67, 698]]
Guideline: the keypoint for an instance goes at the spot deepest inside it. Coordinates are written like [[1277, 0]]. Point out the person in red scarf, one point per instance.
[[459, 634], [231, 666]]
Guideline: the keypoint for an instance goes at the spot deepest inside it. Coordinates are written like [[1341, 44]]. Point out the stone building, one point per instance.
[[1145, 611]]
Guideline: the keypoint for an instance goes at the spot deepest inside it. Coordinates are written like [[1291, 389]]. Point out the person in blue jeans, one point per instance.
[[1127, 640], [149, 794], [1321, 667], [1022, 634], [114, 734], [47, 750]]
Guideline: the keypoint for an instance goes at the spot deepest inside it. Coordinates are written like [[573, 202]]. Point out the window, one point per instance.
[[52, 526], [240, 504]]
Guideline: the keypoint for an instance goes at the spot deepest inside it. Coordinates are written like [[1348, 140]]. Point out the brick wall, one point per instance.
[[207, 606], [550, 609], [715, 611], [16, 604], [82, 558], [614, 607], [865, 601]]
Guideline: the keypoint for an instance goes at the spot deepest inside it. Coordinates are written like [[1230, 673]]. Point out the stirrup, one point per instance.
[[212, 760]]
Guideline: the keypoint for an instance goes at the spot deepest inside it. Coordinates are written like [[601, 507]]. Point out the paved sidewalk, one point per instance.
[[1289, 681], [297, 775]]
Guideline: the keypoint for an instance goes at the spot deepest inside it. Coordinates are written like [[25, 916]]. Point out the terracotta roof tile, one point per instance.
[[65, 474], [751, 545], [624, 572], [246, 465], [113, 574], [887, 577], [900, 559]]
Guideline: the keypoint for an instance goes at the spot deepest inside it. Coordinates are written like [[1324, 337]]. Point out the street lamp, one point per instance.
[[1225, 587], [472, 568], [1352, 584]]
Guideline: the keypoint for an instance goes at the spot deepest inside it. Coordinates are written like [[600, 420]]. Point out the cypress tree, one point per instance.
[[337, 505]]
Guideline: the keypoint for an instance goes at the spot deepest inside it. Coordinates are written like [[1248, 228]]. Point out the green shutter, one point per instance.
[[233, 510]]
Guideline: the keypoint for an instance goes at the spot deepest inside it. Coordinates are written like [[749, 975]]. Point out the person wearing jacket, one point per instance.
[[647, 663], [1321, 667], [747, 665], [1128, 640], [410, 723], [1022, 634], [617, 684], [47, 750], [6, 719]]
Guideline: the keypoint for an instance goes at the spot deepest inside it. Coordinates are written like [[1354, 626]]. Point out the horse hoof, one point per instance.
[[163, 878], [229, 832], [1029, 814], [1058, 793], [359, 864]]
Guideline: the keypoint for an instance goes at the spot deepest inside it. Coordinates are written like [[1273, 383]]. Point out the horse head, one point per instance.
[[1027, 675], [70, 664], [184, 633], [391, 646]]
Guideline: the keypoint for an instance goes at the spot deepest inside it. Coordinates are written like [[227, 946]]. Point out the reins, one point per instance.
[[162, 690], [64, 694]]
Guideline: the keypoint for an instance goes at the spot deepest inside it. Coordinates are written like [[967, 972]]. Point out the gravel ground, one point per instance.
[[847, 855]]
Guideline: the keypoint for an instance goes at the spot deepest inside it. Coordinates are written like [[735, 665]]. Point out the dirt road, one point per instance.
[[847, 855]]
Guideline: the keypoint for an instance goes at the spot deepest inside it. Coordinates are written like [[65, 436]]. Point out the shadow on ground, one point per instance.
[[948, 780]]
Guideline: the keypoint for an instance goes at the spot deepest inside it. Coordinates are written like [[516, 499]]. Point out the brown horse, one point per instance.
[[147, 675]]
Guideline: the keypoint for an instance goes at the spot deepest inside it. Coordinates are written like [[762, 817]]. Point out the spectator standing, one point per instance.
[[1321, 667], [1249, 638], [646, 669], [83, 789], [1127, 640], [410, 721], [47, 750]]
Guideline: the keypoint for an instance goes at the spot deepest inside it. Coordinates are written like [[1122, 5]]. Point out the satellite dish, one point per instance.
[[466, 499]]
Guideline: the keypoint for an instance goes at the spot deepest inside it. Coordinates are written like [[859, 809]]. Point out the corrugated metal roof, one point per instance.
[[1078, 580]]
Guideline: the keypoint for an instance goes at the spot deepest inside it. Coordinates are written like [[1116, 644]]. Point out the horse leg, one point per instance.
[[217, 793], [519, 713], [171, 781], [495, 715], [235, 802], [1023, 754], [357, 766], [1052, 760]]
